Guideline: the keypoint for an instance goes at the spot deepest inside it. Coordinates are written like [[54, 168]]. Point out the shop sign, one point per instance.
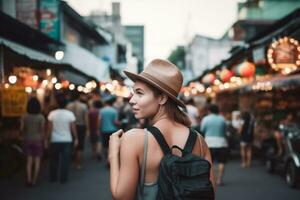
[[49, 18], [284, 55], [14, 101]]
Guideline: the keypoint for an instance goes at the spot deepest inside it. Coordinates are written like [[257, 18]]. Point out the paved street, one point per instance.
[[92, 183], [254, 184], [88, 184]]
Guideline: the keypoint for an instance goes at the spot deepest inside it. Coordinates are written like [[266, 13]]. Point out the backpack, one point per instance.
[[182, 178]]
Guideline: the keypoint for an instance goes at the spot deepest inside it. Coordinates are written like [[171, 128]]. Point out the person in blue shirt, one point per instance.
[[213, 126], [108, 122]]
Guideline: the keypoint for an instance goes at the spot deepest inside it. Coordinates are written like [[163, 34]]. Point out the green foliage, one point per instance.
[[177, 57]]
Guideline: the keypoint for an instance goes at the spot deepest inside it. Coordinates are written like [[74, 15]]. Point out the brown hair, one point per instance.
[[172, 109]]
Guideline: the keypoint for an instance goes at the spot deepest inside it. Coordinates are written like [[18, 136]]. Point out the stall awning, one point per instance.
[[31, 53], [21, 55], [86, 62]]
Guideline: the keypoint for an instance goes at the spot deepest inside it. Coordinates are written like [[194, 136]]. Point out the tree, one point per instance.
[[177, 57]]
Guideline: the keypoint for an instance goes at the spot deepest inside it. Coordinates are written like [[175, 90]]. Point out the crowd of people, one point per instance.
[[61, 133]]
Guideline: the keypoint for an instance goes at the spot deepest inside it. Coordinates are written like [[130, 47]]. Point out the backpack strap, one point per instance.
[[189, 145], [160, 139]]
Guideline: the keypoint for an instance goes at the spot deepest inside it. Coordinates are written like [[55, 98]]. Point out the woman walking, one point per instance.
[[246, 136], [32, 128]]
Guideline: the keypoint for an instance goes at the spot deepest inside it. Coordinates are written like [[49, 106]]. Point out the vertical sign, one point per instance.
[[14, 101], [50, 18], [26, 12]]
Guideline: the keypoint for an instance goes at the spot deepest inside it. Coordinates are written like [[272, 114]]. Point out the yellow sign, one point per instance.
[[14, 101]]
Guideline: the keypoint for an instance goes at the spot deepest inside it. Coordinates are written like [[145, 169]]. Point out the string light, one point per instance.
[[48, 71], [44, 82], [35, 78], [28, 89], [80, 88], [58, 86], [12, 79], [71, 86], [54, 80]]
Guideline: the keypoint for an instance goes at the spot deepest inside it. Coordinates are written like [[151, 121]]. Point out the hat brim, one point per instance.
[[134, 77]]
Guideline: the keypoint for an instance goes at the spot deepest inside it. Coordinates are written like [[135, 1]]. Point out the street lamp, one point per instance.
[[59, 55]]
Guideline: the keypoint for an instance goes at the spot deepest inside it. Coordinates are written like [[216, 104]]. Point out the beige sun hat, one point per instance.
[[162, 75]]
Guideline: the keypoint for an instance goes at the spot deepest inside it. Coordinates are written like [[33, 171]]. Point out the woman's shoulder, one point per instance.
[[133, 138], [134, 133]]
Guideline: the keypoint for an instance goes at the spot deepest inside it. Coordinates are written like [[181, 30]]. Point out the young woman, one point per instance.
[[154, 98], [32, 128]]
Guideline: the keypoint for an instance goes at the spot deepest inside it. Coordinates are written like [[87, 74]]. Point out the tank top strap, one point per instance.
[[143, 168]]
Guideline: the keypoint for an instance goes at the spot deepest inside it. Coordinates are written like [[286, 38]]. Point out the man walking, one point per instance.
[[80, 111], [108, 122], [214, 128]]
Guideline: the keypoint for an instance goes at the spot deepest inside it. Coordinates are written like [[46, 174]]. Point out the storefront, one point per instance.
[[261, 77], [30, 65]]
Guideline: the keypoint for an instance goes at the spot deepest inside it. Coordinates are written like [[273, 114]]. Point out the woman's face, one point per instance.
[[143, 101]]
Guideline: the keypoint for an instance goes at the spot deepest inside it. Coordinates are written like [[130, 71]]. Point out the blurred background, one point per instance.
[[242, 55]]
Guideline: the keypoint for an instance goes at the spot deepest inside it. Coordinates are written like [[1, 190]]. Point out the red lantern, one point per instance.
[[247, 69], [65, 84], [225, 75], [209, 78]]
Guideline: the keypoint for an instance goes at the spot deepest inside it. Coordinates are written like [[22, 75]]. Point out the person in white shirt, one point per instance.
[[61, 126], [192, 112]]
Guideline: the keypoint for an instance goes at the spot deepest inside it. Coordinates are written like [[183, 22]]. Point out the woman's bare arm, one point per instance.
[[124, 166]]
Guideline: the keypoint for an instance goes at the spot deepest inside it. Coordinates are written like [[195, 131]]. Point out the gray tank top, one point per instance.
[[146, 191]]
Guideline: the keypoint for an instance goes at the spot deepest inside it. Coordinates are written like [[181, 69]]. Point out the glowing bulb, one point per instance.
[[48, 71], [28, 89], [35, 78], [71, 86], [57, 86], [12, 79], [44, 82], [54, 80], [80, 88]]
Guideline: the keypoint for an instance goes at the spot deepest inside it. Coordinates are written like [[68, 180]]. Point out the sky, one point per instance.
[[169, 23]]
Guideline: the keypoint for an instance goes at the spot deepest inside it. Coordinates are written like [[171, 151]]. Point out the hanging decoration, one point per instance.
[[284, 55], [245, 69], [208, 79], [225, 75], [65, 84]]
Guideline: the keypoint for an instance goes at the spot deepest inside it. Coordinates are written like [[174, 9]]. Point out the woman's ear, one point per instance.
[[163, 99]]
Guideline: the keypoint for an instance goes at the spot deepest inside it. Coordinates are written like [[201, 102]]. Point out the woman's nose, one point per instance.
[[132, 101]]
